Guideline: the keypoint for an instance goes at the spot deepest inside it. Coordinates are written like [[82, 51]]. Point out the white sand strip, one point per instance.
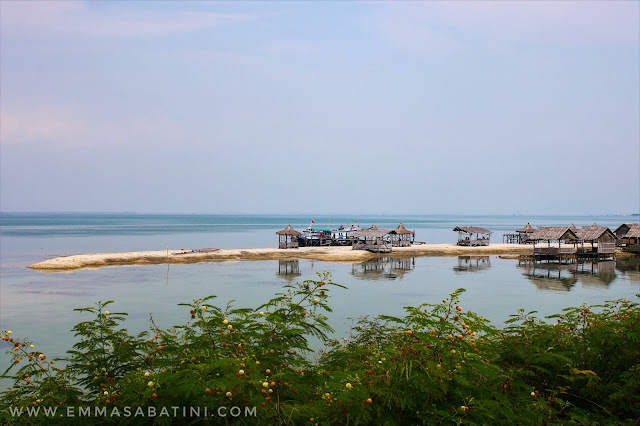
[[333, 254]]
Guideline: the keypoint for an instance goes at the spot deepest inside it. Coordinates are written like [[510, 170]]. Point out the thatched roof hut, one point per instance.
[[288, 238], [289, 231], [629, 235], [628, 230], [526, 230], [552, 233], [401, 230], [600, 235], [466, 235], [549, 234], [472, 230], [633, 232], [595, 233], [372, 239], [402, 237]]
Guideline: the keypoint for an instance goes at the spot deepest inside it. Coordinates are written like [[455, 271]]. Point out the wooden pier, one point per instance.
[[520, 236]]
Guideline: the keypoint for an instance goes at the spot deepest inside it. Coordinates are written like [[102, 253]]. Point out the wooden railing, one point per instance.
[[377, 248], [553, 251], [607, 248], [401, 243], [287, 245], [478, 242]]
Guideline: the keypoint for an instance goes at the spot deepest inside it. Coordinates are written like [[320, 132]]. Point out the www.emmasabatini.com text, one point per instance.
[[126, 411]]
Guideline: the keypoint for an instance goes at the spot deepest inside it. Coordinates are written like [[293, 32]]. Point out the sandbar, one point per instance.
[[330, 254]]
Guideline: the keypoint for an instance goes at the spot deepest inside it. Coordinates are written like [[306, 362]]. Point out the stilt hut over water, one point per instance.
[[628, 234], [288, 238], [553, 234], [402, 237], [601, 238], [472, 236]]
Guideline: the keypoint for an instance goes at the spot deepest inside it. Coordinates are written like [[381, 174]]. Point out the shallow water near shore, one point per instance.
[[40, 306]]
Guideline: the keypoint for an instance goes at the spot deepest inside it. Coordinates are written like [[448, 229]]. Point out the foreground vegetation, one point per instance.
[[437, 364]]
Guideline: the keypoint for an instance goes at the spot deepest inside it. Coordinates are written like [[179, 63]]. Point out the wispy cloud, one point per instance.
[[41, 125], [438, 26], [78, 18], [70, 128]]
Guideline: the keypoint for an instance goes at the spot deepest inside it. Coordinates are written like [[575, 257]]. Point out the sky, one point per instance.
[[320, 107]]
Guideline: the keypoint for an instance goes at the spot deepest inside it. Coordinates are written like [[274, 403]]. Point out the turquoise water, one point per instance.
[[40, 306]]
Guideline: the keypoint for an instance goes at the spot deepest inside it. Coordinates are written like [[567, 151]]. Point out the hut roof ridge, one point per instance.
[[632, 232], [472, 230], [402, 230], [592, 233], [289, 231], [527, 229], [371, 232], [551, 233]]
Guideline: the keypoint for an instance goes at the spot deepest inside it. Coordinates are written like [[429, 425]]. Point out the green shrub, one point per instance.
[[437, 364]]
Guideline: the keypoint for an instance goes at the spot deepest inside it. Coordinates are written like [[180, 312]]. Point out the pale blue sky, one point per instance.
[[320, 107]]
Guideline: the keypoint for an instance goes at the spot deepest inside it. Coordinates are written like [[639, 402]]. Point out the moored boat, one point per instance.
[[317, 236]]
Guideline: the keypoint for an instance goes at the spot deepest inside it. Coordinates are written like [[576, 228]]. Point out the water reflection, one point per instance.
[[630, 268], [592, 273], [289, 269], [472, 263], [562, 276], [383, 268], [549, 276]]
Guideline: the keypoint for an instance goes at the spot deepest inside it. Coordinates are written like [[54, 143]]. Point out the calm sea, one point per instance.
[[40, 306]]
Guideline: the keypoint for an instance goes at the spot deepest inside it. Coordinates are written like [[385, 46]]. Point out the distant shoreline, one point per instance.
[[330, 254]]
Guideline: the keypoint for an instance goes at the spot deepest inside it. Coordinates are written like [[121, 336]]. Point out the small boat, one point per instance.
[[316, 236], [343, 235]]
